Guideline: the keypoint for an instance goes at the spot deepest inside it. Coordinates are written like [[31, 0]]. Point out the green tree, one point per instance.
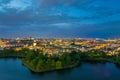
[[58, 65], [40, 66]]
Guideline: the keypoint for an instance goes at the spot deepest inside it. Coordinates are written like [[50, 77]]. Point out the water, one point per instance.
[[12, 69]]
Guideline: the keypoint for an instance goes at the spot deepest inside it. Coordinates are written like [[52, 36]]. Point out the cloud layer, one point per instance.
[[53, 16]]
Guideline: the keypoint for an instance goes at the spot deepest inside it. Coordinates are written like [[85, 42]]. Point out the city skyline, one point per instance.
[[64, 18]]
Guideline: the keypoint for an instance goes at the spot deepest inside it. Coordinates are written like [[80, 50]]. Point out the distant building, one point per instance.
[[1, 48]]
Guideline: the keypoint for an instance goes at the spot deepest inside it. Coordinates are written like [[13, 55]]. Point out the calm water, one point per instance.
[[11, 69]]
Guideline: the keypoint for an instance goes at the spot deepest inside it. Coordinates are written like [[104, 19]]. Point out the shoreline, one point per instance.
[[71, 66], [67, 67], [77, 61], [42, 71]]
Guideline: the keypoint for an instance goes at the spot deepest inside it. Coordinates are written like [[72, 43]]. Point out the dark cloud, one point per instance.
[[106, 30], [46, 3], [49, 17], [14, 18]]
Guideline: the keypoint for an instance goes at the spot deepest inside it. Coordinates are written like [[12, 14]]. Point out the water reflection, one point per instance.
[[12, 69], [117, 66]]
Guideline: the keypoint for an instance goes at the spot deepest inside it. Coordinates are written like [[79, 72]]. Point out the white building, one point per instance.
[[1, 48]]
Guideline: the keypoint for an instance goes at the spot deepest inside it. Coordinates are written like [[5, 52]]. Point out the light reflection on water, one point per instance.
[[12, 69]]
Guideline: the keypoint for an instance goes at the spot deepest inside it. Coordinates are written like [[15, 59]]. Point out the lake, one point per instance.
[[12, 69]]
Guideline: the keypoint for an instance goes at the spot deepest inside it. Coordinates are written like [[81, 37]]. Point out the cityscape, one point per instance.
[[60, 46], [59, 39]]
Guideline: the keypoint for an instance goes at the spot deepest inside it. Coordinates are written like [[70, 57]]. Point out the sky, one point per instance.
[[60, 18]]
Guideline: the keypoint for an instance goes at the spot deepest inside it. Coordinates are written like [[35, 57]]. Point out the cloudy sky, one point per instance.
[[60, 18]]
